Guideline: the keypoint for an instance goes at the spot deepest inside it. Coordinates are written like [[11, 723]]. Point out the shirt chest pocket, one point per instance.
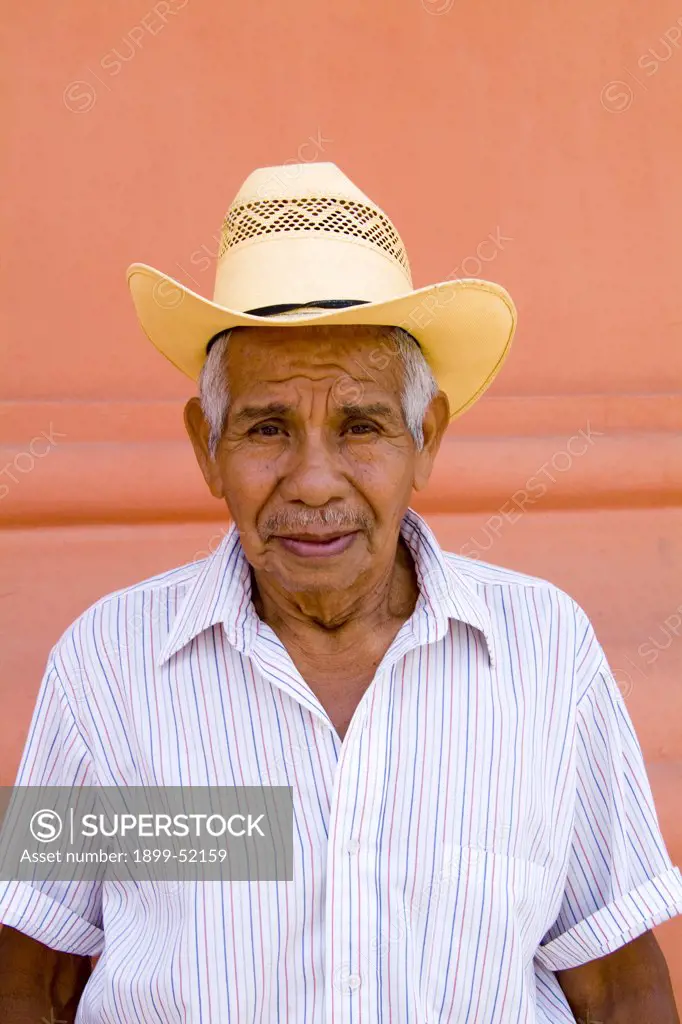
[[476, 929]]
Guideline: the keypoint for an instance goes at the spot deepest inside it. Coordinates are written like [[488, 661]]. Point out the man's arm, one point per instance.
[[629, 986], [620, 882], [38, 983]]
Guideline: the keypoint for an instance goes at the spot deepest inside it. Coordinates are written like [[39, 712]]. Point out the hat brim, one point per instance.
[[464, 327]]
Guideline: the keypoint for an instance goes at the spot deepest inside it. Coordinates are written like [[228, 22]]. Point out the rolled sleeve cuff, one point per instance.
[[616, 924], [42, 918]]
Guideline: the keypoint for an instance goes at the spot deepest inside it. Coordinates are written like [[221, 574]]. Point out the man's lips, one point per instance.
[[310, 545]]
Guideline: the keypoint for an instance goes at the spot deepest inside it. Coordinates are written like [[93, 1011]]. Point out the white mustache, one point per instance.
[[288, 520]]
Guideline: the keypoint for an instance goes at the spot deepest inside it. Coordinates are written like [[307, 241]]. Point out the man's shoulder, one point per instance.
[[171, 581], [488, 579], [487, 574], [121, 617], [533, 605]]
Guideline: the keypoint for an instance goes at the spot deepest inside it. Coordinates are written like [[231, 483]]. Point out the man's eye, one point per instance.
[[265, 430], [358, 429]]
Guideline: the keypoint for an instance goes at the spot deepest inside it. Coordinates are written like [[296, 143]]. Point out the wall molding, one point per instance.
[[113, 462]]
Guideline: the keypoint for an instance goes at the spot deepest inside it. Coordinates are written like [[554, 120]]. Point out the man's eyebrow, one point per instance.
[[255, 412], [250, 413], [381, 409]]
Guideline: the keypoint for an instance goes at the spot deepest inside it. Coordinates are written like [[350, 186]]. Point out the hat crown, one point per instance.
[[296, 181], [310, 201]]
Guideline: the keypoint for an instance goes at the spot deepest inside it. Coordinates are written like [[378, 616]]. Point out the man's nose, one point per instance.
[[314, 475]]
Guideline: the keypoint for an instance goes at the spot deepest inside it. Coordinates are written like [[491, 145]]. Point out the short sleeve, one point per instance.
[[620, 880], [63, 915]]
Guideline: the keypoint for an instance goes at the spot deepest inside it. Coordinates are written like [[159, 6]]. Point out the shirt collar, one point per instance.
[[221, 592], [444, 593]]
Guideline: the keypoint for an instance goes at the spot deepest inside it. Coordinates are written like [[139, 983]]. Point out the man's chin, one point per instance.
[[316, 575]]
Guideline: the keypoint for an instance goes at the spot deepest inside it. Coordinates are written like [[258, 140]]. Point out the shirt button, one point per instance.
[[354, 982], [352, 846]]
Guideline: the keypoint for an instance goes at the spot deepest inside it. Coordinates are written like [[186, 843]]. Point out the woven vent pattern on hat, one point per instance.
[[326, 214]]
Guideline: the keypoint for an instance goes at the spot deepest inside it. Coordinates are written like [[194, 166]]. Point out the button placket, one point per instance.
[[348, 982]]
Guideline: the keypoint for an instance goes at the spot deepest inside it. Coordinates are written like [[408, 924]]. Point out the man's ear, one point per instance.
[[198, 430], [434, 426]]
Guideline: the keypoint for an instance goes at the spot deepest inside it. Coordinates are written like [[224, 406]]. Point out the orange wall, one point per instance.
[[553, 128]]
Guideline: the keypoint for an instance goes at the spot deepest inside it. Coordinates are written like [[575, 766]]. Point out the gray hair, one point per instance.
[[419, 385]]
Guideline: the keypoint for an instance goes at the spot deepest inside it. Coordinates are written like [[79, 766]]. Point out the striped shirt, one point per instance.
[[485, 822]]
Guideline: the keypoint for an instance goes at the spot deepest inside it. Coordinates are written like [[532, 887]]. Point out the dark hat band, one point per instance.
[[288, 307]]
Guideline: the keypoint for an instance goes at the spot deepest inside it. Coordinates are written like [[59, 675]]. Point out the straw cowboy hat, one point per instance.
[[301, 244]]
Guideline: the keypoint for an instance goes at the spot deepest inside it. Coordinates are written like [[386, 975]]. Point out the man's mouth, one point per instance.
[[316, 545]]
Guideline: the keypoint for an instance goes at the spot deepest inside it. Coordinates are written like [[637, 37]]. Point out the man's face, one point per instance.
[[316, 463]]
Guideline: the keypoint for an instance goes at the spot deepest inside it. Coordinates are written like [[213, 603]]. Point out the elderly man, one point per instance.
[[474, 834]]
